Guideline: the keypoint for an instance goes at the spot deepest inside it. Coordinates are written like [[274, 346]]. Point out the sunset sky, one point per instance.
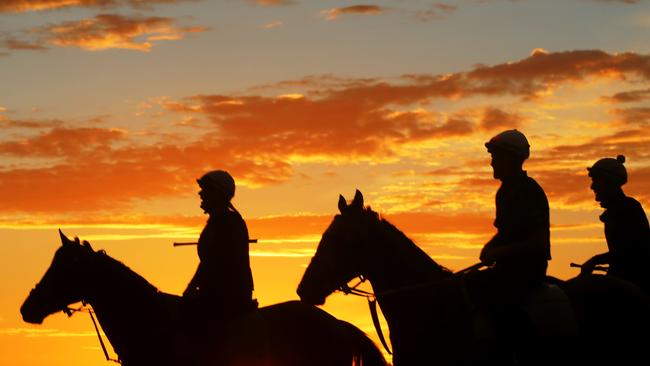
[[110, 109]]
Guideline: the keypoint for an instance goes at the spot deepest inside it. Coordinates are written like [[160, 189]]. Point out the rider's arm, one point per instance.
[[486, 256], [602, 258], [533, 247], [589, 266]]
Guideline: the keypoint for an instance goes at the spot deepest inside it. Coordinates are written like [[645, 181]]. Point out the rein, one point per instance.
[[353, 290], [372, 305], [69, 311]]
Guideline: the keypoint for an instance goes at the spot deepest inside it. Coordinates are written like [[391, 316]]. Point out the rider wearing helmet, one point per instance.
[[518, 253], [223, 282], [626, 225]]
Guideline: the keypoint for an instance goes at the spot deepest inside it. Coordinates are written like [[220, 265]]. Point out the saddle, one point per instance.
[[546, 311], [243, 337], [550, 311]]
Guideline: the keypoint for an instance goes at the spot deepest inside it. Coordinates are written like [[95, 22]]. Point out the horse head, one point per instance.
[[341, 252], [61, 285]]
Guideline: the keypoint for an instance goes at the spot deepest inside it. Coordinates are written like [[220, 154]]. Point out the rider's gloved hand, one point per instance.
[[487, 256], [587, 267]]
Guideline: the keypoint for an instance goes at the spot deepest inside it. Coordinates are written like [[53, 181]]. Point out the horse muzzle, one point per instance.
[[31, 318], [30, 313]]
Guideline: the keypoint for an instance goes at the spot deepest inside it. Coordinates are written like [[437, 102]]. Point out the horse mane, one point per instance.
[[391, 234], [121, 273]]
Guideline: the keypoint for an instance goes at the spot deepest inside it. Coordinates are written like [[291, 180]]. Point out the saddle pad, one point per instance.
[[550, 311]]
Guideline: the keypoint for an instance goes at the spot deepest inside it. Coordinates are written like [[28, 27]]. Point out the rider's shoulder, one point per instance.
[[532, 187], [625, 207], [631, 202]]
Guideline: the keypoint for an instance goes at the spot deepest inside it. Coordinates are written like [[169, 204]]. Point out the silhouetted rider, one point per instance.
[[519, 251], [222, 286], [626, 225]]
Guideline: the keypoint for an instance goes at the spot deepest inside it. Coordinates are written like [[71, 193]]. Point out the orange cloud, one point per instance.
[[527, 78], [494, 118], [81, 187], [333, 14], [632, 143], [260, 138], [97, 167], [634, 116], [629, 96], [619, 1], [61, 141], [541, 71], [445, 7], [100, 169], [307, 126], [438, 12], [316, 83], [109, 31], [35, 124], [637, 186], [17, 6], [571, 185], [14, 44], [272, 2]]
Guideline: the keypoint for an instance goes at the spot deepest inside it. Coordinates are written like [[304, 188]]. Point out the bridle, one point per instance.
[[85, 307]]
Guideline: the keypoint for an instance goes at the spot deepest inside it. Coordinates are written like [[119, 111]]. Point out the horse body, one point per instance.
[[145, 328], [429, 314]]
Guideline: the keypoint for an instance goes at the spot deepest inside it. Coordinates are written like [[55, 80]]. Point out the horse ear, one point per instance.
[[64, 239], [343, 206], [357, 202]]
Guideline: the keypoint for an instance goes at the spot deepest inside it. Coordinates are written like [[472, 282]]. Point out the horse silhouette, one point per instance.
[[139, 321], [430, 317]]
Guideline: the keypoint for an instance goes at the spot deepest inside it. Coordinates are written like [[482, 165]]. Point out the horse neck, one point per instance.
[[395, 267], [395, 261], [122, 301]]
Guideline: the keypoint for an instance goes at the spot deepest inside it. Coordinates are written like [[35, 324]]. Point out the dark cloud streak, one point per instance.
[[19, 6]]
